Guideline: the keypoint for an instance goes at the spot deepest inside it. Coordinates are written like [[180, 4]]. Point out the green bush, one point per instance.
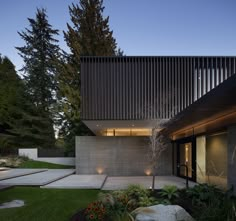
[[169, 192], [203, 193], [119, 204], [212, 204]]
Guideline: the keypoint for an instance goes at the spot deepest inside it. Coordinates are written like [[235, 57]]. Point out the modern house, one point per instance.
[[124, 98]]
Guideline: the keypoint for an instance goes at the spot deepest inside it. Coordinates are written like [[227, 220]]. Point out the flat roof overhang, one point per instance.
[[215, 110], [99, 125]]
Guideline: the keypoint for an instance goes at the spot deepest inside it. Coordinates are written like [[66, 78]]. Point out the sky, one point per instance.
[[141, 27]]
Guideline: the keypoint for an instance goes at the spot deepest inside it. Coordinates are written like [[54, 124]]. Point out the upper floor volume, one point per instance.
[[146, 88]]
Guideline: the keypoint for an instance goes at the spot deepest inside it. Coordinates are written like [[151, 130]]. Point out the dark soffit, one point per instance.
[[218, 102]]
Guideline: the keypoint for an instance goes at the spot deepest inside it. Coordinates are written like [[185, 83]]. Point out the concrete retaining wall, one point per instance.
[[117, 156], [33, 154]]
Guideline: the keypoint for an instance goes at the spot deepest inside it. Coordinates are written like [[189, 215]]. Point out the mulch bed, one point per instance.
[[79, 216]]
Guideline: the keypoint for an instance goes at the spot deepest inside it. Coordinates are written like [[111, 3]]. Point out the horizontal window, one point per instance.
[[127, 132]]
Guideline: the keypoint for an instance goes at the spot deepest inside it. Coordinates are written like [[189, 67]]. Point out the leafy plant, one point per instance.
[[203, 193], [169, 192], [137, 193], [95, 211], [147, 201], [117, 205]]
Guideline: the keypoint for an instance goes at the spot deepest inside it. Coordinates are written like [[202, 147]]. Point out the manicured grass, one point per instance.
[[45, 204], [38, 165]]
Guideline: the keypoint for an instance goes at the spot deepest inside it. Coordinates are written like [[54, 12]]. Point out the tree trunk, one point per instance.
[[153, 181], [153, 177]]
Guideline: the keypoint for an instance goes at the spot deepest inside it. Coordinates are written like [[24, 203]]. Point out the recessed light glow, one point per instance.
[[148, 172], [99, 170]]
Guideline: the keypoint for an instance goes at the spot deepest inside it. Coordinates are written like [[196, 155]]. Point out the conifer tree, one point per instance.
[[20, 123], [40, 55], [88, 35]]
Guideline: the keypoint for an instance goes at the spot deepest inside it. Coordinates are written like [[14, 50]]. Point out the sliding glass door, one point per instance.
[[186, 158]]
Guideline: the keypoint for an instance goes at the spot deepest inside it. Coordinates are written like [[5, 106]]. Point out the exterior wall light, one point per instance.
[[99, 170], [148, 172]]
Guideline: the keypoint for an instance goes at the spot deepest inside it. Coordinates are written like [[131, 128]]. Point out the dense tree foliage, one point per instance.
[[20, 122], [40, 55], [89, 35]]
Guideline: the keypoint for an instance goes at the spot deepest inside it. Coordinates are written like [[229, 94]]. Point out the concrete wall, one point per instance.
[[232, 157], [32, 153], [117, 156]]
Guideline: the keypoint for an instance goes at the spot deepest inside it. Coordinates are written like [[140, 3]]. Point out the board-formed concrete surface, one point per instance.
[[12, 173], [39, 179], [78, 182], [116, 183]]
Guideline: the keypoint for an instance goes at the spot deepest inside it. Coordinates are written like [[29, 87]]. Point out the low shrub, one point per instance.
[[95, 211], [170, 193], [12, 161]]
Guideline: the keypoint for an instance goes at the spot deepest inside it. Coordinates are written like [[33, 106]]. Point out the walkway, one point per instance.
[[12, 173], [38, 179], [79, 182], [65, 179]]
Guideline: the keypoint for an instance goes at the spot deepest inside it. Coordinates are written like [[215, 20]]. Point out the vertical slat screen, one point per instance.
[[116, 88]]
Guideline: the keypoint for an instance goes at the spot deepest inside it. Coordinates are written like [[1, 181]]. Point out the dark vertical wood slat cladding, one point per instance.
[[176, 85], [147, 87]]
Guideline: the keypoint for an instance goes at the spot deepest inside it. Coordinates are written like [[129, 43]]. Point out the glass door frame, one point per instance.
[[191, 140]]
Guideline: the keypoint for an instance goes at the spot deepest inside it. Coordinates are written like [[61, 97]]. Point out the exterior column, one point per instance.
[[232, 157]]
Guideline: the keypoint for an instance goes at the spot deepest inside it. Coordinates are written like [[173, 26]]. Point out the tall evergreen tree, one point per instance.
[[89, 35], [20, 123], [40, 55]]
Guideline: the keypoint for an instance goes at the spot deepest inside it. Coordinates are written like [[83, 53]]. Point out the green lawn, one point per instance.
[[45, 204], [38, 164]]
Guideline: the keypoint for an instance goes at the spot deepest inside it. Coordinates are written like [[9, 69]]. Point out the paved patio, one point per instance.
[[79, 182], [114, 183], [12, 173], [38, 179], [63, 179]]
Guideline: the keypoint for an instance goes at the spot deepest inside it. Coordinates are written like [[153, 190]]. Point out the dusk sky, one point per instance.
[[141, 27]]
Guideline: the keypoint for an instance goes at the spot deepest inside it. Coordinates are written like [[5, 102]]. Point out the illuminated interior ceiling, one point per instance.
[[99, 126], [215, 110]]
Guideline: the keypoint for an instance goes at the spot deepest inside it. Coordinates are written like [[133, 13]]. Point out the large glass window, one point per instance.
[[127, 132], [212, 159]]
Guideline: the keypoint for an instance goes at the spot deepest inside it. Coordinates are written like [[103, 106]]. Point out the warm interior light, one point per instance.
[[99, 170], [194, 127], [127, 132], [186, 153]]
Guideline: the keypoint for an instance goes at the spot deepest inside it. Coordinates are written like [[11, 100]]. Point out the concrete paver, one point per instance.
[[116, 183], [161, 181], [12, 173], [39, 179], [78, 182]]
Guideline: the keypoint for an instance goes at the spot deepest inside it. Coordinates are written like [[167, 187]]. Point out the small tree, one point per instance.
[[158, 143]]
